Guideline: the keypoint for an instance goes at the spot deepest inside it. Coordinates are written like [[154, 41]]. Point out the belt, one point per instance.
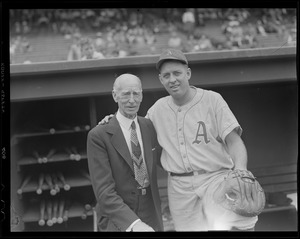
[[201, 171], [143, 191]]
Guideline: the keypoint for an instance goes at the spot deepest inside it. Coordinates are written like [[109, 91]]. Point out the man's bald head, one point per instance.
[[126, 79]]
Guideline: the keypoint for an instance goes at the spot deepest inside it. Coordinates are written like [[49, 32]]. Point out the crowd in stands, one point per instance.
[[119, 32]]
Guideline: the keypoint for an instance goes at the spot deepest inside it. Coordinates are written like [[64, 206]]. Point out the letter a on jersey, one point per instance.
[[200, 133]]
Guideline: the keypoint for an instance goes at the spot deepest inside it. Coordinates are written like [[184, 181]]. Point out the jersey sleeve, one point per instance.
[[226, 120], [150, 112]]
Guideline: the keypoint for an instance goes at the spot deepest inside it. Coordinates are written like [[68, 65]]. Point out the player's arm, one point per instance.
[[237, 150], [106, 119]]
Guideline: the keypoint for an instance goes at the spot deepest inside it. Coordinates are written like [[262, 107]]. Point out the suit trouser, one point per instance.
[[145, 209], [192, 206]]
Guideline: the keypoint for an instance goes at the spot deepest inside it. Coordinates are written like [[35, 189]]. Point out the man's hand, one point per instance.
[[142, 227], [106, 119]]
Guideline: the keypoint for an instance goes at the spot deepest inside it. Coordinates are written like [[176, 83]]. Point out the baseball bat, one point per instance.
[[71, 155], [90, 212], [77, 156], [55, 181], [44, 160], [85, 174], [49, 213], [66, 210], [50, 154], [24, 183], [60, 211], [37, 156], [84, 214], [40, 183], [77, 128], [87, 207], [49, 181], [42, 213], [52, 131], [55, 207], [61, 177]]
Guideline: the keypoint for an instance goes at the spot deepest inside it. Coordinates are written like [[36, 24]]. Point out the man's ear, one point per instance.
[[114, 95], [159, 76], [189, 73]]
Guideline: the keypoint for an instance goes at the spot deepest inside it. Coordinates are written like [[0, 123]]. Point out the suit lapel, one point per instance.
[[146, 144], [118, 140]]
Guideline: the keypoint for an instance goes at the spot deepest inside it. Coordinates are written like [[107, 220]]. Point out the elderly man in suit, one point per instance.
[[122, 160]]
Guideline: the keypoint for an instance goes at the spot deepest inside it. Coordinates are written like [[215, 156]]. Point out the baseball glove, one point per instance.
[[241, 193]]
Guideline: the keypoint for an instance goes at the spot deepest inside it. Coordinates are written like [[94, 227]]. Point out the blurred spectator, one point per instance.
[[204, 43], [188, 20], [175, 40], [26, 28], [27, 62], [12, 51], [25, 45], [99, 42], [88, 50], [271, 25], [160, 26], [122, 53], [292, 37], [125, 31], [17, 27], [75, 48], [189, 44], [43, 22], [200, 16], [250, 34], [150, 38], [250, 29], [133, 19], [260, 28], [236, 33]]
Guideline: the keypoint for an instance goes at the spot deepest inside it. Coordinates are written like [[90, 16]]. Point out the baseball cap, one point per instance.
[[171, 54]]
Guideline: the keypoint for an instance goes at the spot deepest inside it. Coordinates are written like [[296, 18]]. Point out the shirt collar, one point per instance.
[[124, 121], [197, 97]]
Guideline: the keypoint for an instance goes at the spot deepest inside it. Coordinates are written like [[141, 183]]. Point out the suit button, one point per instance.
[[133, 193]]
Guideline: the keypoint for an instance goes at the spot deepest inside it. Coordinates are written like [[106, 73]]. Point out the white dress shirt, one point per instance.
[[125, 124]]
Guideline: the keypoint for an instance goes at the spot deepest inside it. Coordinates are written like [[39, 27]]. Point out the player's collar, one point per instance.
[[197, 97]]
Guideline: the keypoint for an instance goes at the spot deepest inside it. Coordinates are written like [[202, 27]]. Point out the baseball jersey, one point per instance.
[[193, 135]]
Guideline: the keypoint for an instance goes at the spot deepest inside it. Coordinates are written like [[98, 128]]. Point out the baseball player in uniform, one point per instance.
[[201, 142]]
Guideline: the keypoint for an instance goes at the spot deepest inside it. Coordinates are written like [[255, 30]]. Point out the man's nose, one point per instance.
[[172, 78], [131, 99]]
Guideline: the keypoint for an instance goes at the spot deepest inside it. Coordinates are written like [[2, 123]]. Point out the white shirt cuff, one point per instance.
[[132, 224]]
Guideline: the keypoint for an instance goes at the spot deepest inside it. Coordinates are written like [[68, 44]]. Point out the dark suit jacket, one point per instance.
[[112, 174]]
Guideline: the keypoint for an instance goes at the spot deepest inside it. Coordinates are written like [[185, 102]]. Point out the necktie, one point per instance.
[[140, 171]]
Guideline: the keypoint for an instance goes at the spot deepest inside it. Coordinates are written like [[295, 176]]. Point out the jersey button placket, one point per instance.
[[180, 133], [181, 139]]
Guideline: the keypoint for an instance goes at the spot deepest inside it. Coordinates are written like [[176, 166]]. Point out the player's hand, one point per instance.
[[142, 227], [106, 119]]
